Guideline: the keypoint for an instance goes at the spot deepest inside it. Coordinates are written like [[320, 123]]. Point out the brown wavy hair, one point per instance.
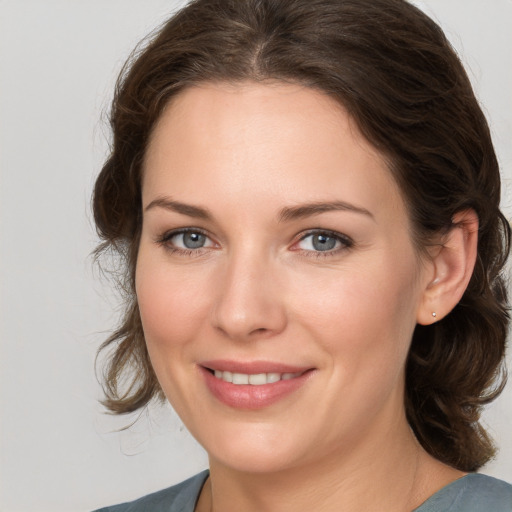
[[395, 72]]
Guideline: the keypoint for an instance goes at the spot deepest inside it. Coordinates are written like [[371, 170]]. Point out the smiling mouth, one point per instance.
[[255, 379], [248, 386]]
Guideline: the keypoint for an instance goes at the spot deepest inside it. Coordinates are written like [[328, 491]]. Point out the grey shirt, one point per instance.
[[472, 493]]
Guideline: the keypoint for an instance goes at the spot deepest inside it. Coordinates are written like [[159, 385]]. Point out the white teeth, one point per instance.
[[273, 377], [257, 379], [240, 378], [227, 376]]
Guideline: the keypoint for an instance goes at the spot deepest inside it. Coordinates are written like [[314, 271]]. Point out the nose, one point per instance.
[[250, 300]]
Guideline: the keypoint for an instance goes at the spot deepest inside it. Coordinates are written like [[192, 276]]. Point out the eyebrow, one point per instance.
[[285, 215], [176, 206], [310, 209]]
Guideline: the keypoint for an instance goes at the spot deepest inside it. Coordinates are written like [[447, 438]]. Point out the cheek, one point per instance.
[[364, 325], [364, 315], [170, 303]]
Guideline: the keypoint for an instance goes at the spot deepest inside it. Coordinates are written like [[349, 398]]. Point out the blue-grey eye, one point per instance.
[[319, 242], [193, 240], [189, 240]]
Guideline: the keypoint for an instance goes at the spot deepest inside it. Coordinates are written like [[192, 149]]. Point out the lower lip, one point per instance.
[[247, 396]]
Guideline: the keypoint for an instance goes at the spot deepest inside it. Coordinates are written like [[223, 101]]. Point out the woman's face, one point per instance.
[[276, 253]]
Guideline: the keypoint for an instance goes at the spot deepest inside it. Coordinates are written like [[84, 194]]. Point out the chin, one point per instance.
[[252, 461], [253, 451]]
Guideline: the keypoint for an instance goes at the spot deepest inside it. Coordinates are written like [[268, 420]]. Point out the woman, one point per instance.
[[306, 197]]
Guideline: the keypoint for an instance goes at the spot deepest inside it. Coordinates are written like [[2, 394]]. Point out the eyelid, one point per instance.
[[345, 241], [179, 231], [164, 240]]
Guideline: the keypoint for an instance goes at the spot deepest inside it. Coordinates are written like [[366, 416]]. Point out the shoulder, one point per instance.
[[472, 493], [178, 498], [485, 493]]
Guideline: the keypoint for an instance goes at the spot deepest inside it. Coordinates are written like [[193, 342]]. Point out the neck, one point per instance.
[[392, 473]]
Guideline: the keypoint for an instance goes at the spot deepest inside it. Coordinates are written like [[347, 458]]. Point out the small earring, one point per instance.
[[434, 314]]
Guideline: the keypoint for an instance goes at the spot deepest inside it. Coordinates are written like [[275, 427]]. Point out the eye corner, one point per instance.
[[188, 241], [322, 242]]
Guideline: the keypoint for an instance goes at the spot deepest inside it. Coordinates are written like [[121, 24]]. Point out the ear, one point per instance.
[[452, 266]]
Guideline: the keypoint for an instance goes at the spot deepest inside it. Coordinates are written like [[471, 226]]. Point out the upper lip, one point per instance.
[[252, 367]]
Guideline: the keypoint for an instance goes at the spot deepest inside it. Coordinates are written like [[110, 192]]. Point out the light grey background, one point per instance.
[[58, 63]]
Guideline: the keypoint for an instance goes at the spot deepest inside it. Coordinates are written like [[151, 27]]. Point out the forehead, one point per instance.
[[249, 113], [277, 142]]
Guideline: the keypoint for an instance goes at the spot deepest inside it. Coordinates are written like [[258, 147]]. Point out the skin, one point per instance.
[[259, 290]]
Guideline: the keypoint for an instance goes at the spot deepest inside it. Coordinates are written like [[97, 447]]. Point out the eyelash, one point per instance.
[[346, 243], [164, 240]]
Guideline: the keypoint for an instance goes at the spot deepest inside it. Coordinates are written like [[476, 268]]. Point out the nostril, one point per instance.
[[260, 330]]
